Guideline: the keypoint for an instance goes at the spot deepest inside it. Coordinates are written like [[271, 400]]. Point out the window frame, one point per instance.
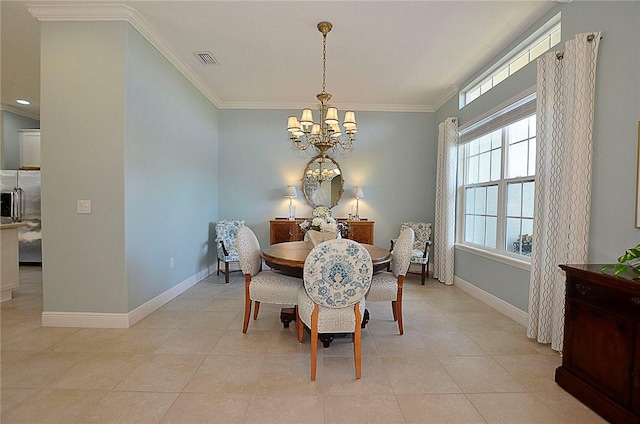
[[551, 32], [521, 108]]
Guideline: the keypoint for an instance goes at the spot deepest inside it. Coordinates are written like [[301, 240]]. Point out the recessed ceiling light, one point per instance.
[[23, 102]]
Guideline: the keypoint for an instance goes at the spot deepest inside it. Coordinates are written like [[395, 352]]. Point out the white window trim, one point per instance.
[[487, 253], [524, 47], [523, 101]]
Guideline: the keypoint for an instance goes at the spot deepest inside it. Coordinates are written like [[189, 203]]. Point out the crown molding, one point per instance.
[[72, 12], [19, 111], [444, 98], [81, 12], [340, 106], [90, 12]]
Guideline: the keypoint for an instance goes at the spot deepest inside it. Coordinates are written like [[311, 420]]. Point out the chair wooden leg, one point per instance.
[[247, 304], [423, 274], [314, 341], [399, 306], [356, 342], [394, 309], [218, 273], [226, 273], [299, 326], [255, 311]]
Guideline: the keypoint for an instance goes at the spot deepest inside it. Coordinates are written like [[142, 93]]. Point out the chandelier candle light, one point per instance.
[[326, 134], [291, 194]]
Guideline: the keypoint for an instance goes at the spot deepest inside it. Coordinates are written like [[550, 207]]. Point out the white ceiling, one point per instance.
[[381, 55]]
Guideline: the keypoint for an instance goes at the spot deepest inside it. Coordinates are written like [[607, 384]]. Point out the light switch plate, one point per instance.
[[84, 206]]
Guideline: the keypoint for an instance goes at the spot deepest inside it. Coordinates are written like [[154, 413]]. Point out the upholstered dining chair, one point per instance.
[[421, 245], [337, 274], [226, 232], [262, 286], [387, 286]]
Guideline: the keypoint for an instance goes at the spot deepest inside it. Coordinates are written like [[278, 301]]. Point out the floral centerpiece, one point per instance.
[[323, 221], [323, 224]]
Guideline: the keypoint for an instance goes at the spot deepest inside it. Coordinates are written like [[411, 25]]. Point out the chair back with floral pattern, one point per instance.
[[248, 248], [402, 252], [422, 232], [337, 273], [226, 232]]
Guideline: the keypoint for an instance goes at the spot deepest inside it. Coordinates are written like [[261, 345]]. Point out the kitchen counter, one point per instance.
[[9, 268], [10, 225]]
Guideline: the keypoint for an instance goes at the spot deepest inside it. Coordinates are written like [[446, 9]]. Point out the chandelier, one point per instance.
[[325, 134], [321, 175]]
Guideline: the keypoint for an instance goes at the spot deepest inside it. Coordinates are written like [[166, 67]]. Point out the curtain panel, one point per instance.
[[444, 230], [565, 107]]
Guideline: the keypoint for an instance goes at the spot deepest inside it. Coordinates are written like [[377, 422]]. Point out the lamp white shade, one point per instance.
[[349, 119], [358, 193], [336, 130], [307, 117], [332, 116], [291, 192], [293, 124]]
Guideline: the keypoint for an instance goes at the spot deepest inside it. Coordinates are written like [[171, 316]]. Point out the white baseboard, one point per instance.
[[115, 320], [518, 315]]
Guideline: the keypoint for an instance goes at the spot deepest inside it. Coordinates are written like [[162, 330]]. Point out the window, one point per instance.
[[497, 160], [539, 42]]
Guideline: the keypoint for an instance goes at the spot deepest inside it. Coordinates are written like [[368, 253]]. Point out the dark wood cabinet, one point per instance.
[[601, 351], [282, 230]]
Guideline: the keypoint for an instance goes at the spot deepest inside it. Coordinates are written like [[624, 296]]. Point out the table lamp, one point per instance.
[[291, 194], [358, 193]]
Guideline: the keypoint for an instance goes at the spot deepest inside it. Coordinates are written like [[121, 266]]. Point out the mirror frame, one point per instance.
[[304, 173]]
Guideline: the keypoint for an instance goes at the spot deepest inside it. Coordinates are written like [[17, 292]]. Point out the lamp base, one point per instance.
[[292, 213]]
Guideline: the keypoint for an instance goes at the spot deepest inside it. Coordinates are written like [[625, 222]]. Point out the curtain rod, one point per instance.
[[590, 38]]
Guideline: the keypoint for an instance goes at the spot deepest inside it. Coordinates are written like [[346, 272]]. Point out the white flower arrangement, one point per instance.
[[321, 212], [323, 224]]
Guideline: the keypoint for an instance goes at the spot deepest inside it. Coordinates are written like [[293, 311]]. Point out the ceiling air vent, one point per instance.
[[206, 58]]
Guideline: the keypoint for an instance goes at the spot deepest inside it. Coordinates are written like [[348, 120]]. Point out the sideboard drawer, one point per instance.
[[282, 230]]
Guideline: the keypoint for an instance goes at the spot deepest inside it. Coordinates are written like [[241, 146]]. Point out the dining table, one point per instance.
[[289, 258]]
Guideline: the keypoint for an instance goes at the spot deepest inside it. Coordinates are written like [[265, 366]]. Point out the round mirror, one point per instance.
[[322, 182]]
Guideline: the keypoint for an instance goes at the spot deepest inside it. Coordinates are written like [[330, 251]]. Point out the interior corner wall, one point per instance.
[[82, 125], [392, 152], [171, 188]]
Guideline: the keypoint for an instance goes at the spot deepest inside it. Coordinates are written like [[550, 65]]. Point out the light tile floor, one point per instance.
[[459, 361]]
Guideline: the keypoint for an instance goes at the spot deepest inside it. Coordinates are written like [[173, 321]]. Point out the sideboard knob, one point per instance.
[[583, 289]]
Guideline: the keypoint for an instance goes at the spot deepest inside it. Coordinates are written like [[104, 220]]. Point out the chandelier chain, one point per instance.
[[324, 63]]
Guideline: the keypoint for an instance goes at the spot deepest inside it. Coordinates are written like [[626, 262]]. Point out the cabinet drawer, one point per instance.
[[623, 303]]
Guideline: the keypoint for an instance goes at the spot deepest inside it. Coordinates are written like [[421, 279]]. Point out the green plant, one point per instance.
[[629, 261]]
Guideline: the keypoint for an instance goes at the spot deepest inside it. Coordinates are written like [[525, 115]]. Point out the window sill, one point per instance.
[[495, 256]]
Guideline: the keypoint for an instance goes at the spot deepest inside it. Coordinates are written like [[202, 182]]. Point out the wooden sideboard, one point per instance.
[[601, 352], [282, 230]]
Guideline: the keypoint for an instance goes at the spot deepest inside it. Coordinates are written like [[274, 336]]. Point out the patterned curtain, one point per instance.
[[565, 104], [444, 229]]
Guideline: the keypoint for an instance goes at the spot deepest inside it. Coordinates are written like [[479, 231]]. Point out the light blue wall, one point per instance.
[[615, 140], [123, 128], [171, 168], [10, 141], [82, 154], [394, 161]]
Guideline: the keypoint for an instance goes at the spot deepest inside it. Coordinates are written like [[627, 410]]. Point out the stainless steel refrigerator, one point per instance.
[[20, 201]]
